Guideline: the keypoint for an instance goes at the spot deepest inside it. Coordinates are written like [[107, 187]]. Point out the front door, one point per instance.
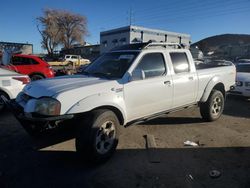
[[153, 93]]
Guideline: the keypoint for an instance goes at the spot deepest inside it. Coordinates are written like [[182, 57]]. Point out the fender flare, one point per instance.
[[210, 86], [103, 100]]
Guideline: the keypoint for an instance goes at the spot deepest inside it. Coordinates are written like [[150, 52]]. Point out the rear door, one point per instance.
[[184, 79], [152, 94]]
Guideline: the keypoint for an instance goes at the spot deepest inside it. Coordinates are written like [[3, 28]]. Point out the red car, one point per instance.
[[31, 65]]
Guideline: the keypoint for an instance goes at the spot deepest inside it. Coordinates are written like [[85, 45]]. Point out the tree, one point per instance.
[[61, 28], [50, 31], [72, 28]]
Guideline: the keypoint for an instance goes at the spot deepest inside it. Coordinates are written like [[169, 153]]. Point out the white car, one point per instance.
[[242, 86], [11, 83]]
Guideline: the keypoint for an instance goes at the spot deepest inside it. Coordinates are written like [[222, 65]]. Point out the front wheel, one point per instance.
[[212, 109], [97, 135]]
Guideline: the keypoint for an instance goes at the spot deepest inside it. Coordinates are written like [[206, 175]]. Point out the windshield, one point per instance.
[[243, 68], [111, 65]]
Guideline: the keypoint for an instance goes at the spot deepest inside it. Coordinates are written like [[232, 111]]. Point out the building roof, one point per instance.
[[139, 29]]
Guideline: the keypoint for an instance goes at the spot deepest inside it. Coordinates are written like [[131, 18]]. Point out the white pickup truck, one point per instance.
[[129, 84]]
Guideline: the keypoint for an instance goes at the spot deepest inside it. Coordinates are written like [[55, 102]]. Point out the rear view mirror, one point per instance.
[[137, 74]]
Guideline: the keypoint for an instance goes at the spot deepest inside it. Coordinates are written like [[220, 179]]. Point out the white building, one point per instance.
[[132, 34]]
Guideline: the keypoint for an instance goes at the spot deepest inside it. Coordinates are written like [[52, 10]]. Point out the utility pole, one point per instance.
[[130, 16]]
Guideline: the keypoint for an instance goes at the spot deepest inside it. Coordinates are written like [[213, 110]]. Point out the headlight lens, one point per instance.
[[48, 106]]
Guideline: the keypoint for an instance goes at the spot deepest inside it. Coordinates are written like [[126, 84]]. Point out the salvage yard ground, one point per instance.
[[52, 162]]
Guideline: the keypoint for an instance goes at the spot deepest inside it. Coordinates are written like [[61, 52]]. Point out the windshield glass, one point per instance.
[[111, 65], [243, 68]]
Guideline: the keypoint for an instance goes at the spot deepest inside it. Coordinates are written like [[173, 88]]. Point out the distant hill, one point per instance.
[[219, 40], [227, 46]]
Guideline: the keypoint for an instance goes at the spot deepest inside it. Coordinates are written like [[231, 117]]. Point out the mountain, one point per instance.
[[227, 46]]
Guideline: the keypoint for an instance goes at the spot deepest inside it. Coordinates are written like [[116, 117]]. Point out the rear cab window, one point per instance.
[[180, 62]]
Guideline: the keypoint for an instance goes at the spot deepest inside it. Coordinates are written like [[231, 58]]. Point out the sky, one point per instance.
[[198, 18]]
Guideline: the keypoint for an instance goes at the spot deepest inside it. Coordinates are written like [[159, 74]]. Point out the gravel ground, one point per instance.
[[51, 161]]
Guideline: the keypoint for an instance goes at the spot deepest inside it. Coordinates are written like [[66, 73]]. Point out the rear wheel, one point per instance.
[[2, 105], [212, 109], [97, 136], [35, 77]]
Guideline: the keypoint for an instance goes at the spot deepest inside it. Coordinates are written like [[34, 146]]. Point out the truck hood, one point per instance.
[[51, 87]]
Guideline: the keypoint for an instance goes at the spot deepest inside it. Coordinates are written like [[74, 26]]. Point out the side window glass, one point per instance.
[[16, 61], [180, 62], [26, 61], [33, 62], [152, 65]]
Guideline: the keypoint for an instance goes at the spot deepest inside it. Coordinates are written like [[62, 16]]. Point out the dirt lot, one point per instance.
[[52, 161]]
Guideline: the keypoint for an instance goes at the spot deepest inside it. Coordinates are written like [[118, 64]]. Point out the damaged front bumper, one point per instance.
[[19, 113]]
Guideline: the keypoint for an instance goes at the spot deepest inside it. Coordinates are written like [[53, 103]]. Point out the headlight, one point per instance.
[[47, 106]]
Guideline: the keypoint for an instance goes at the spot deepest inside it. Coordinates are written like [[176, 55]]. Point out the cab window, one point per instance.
[[180, 62], [152, 65]]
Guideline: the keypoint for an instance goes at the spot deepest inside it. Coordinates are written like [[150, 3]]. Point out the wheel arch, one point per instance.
[[214, 83], [117, 112], [36, 73], [6, 93]]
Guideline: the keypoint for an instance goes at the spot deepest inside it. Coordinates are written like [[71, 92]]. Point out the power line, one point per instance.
[[187, 9], [195, 17]]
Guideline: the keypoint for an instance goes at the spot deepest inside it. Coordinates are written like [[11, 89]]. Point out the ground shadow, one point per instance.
[[237, 106], [179, 167]]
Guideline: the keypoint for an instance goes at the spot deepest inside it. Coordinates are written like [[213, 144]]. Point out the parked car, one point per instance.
[[128, 85], [11, 83], [30, 65], [70, 60], [242, 86], [239, 61]]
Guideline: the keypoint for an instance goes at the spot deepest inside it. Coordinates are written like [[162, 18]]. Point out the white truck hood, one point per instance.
[[54, 86]]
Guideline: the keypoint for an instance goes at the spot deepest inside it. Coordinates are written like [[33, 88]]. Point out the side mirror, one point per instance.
[[137, 74]]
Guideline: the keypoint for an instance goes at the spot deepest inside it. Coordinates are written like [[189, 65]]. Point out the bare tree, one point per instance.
[[49, 30], [72, 28], [61, 28]]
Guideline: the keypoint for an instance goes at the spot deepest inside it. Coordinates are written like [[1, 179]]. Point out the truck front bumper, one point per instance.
[[19, 113]]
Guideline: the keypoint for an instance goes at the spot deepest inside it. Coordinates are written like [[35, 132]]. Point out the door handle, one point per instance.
[[167, 82], [191, 78]]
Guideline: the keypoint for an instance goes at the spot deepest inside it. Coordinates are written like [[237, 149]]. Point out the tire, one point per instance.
[[212, 109], [35, 77], [97, 136], [2, 105]]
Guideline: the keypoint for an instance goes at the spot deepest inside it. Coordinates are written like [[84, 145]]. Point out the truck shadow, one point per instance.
[[237, 106], [176, 167], [28, 163]]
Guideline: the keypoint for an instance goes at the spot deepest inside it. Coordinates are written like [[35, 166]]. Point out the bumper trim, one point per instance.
[[46, 118]]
